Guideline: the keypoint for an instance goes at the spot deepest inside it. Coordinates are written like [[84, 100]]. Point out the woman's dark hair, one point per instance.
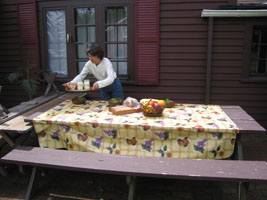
[[95, 50]]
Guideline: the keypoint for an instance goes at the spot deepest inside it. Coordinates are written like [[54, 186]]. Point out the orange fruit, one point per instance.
[[161, 103]]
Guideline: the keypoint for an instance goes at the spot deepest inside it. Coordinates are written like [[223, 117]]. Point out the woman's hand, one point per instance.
[[70, 86], [95, 86]]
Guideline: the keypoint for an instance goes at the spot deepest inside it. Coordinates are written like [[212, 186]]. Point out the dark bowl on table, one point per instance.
[[115, 101], [169, 104], [78, 100]]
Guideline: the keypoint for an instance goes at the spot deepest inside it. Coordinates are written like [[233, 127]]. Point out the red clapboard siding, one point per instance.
[[147, 42], [28, 32]]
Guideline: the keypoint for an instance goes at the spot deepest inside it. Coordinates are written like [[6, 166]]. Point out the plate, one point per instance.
[[77, 91]]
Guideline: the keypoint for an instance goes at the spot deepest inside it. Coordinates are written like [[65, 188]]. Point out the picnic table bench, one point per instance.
[[133, 166], [239, 171]]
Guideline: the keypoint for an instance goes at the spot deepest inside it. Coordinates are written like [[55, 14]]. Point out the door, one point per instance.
[[68, 28]]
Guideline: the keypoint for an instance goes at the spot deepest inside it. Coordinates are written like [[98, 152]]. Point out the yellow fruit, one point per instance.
[[161, 103]]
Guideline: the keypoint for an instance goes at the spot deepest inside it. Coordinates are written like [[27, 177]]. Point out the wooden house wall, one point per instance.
[[229, 41], [10, 54], [182, 58]]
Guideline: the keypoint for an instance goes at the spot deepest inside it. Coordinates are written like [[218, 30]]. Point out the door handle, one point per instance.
[[68, 37]]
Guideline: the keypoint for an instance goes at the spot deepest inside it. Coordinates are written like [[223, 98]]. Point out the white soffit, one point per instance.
[[233, 13]]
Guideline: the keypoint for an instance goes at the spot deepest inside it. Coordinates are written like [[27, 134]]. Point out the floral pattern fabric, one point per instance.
[[184, 131]]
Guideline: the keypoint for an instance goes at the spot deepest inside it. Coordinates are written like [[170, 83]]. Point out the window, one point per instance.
[[255, 52], [258, 56]]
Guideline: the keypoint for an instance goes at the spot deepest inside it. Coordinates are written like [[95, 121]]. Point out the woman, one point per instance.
[[101, 68]]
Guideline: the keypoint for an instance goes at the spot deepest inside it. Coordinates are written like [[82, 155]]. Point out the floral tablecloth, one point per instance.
[[184, 131]]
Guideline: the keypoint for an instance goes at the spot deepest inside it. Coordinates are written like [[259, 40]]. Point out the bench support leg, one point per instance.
[[7, 139], [2, 170], [242, 190], [33, 184], [239, 148], [131, 182]]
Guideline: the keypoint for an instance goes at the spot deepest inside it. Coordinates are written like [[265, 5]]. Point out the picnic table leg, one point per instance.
[[131, 182], [33, 184], [239, 147], [243, 190], [242, 186], [2, 170]]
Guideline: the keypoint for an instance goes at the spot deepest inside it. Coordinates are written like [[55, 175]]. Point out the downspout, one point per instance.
[[209, 59]]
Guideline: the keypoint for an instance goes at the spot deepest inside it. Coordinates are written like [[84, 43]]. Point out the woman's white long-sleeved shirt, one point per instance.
[[103, 72]]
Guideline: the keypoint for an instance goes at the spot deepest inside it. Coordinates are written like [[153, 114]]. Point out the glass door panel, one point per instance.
[[85, 29], [56, 42], [116, 29]]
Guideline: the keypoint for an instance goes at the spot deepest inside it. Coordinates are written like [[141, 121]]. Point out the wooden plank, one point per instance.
[[18, 123], [243, 120], [29, 105], [50, 104], [192, 169]]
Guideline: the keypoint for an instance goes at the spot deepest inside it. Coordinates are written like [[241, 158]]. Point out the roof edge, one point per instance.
[[234, 13]]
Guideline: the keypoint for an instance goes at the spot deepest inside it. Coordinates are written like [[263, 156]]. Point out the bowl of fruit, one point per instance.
[[115, 101], [78, 100], [152, 107]]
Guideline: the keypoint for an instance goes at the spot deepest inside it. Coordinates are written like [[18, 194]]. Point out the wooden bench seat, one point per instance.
[[132, 166]]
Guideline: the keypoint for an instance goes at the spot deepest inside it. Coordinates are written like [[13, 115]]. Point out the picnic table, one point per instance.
[[185, 131]]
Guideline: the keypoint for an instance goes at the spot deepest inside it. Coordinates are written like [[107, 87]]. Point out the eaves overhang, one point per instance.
[[234, 13]]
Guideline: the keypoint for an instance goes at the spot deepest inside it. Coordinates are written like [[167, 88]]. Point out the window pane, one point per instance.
[[112, 50], [56, 42], [81, 51], [115, 66], [116, 15], [91, 16], [122, 33], [85, 16], [122, 15], [80, 66], [263, 51], [111, 33], [253, 59], [264, 34], [91, 34], [81, 34], [262, 66], [81, 15], [111, 16], [122, 51], [122, 68]]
